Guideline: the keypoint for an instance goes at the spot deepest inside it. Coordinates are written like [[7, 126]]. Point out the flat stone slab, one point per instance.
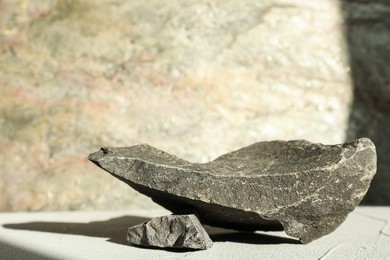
[[173, 231], [307, 189]]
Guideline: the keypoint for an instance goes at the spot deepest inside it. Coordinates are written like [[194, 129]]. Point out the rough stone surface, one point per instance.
[[79, 74], [307, 188], [175, 231]]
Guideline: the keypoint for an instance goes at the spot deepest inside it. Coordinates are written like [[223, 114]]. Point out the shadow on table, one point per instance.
[[115, 230], [223, 235], [10, 251]]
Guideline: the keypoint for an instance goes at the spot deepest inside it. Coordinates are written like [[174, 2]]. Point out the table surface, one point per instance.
[[102, 235]]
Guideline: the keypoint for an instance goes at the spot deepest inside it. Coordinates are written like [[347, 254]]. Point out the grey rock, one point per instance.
[[307, 189], [176, 231]]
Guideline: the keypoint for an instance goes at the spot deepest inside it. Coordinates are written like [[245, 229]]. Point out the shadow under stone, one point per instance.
[[367, 34], [223, 235], [116, 230], [253, 238]]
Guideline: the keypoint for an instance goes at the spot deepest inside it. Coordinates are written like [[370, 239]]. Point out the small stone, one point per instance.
[[173, 231], [305, 188]]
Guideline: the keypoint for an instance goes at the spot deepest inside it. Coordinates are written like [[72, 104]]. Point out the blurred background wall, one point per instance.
[[195, 78], [367, 34]]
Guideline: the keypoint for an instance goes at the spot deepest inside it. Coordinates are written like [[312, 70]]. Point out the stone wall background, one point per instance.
[[194, 78], [367, 27]]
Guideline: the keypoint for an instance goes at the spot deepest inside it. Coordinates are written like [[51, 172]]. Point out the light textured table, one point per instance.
[[101, 235]]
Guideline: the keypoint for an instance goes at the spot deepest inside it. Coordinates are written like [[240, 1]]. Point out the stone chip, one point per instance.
[[173, 231]]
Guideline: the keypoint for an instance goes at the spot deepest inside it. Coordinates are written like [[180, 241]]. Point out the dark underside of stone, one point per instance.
[[307, 189], [209, 213]]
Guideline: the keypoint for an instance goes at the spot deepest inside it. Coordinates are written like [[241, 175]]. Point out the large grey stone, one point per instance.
[[308, 189], [176, 231]]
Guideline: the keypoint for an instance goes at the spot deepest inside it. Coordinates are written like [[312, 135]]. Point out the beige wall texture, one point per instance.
[[195, 78]]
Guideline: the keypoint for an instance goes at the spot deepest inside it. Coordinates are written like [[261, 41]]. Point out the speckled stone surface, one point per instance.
[[183, 231], [306, 187]]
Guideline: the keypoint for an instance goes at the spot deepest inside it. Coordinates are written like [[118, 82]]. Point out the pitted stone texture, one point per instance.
[[174, 231]]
